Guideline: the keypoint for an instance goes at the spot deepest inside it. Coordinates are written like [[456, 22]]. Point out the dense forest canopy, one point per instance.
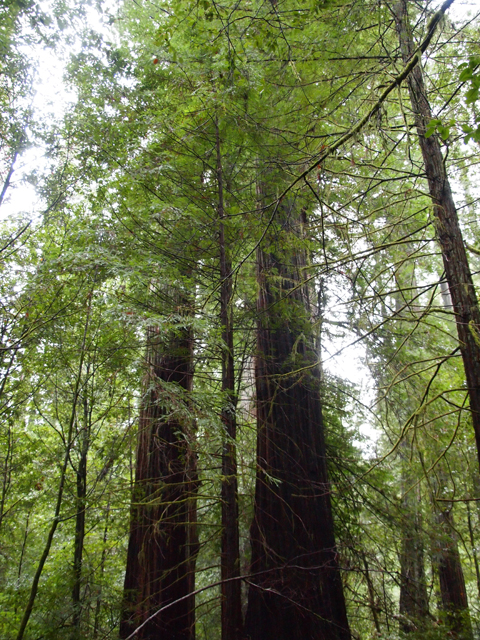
[[230, 196]]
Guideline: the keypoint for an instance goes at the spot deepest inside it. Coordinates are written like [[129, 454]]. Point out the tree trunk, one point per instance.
[[295, 589], [472, 528], [455, 261], [162, 545], [371, 595], [414, 611], [473, 546], [452, 582], [230, 557]]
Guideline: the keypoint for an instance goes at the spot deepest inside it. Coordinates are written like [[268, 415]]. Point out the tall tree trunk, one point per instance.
[[162, 545], [475, 546], [413, 600], [413, 605], [230, 557], [295, 589], [371, 594], [455, 261], [452, 582]]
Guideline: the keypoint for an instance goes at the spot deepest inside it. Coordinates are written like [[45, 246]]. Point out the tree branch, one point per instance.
[[415, 59]]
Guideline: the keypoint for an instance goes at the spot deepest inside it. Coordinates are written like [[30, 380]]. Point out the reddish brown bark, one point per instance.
[[452, 581], [455, 261], [162, 545], [295, 592], [465, 307]]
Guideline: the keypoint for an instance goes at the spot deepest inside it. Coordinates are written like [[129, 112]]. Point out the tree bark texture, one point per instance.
[[455, 261], [295, 589], [163, 544], [452, 581], [474, 546], [414, 611]]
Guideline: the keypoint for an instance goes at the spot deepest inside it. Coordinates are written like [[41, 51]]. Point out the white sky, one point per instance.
[[463, 9], [51, 99]]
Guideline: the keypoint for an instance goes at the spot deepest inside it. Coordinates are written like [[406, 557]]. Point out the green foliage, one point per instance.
[[468, 74], [437, 126], [131, 192]]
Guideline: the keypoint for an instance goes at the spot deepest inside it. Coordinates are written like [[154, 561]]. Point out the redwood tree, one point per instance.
[[162, 544], [295, 589], [453, 592], [413, 603]]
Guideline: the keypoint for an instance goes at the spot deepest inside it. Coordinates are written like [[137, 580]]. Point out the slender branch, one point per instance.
[[415, 59], [56, 518], [329, 150], [6, 184]]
